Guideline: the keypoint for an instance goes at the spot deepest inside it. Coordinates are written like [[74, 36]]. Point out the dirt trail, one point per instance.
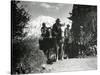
[[75, 64]]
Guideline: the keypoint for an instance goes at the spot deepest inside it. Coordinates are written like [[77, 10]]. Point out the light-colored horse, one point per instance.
[[58, 44]]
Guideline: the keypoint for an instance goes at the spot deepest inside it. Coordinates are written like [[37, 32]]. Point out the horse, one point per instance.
[[47, 43], [59, 44]]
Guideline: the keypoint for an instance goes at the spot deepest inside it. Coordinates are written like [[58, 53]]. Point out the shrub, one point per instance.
[[27, 53]]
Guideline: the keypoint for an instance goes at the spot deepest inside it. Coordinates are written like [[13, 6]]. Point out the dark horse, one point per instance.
[[47, 43], [52, 44]]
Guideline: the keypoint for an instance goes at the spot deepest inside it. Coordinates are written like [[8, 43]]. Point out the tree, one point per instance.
[[19, 20]]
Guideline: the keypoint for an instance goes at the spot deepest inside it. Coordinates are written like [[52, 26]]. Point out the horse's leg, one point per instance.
[[62, 52], [57, 52], [65, 50], [47, 54]]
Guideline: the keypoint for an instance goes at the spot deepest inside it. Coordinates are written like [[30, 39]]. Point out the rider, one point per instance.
[[43, 30], [57, 29], [57, 35], [67, 32]]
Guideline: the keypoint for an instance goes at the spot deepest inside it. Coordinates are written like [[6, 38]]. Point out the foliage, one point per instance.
[[85, 16], [19, 20], [27, 52]]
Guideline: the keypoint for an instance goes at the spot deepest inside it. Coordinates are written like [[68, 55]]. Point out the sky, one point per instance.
[[55, 10]]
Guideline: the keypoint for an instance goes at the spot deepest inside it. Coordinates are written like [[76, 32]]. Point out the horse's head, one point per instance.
[[49, 32], [62, 31]]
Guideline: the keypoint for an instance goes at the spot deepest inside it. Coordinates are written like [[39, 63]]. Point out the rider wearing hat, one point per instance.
[[57, 29]]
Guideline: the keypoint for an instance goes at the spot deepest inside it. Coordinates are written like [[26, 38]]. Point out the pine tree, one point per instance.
[[19, 20]]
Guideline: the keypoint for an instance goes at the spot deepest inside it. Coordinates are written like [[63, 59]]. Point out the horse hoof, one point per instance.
[[57, 60]]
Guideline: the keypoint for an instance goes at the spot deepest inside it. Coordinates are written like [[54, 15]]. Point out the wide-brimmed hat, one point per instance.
[[57, 20]]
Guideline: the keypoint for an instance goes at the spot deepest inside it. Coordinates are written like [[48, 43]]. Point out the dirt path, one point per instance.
[[75, 64]]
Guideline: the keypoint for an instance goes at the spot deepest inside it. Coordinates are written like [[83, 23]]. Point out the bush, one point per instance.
[[26, 55]]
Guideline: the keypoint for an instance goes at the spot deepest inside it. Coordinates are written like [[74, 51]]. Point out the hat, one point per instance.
[[43, 23], [57, 20], [68, 25]]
